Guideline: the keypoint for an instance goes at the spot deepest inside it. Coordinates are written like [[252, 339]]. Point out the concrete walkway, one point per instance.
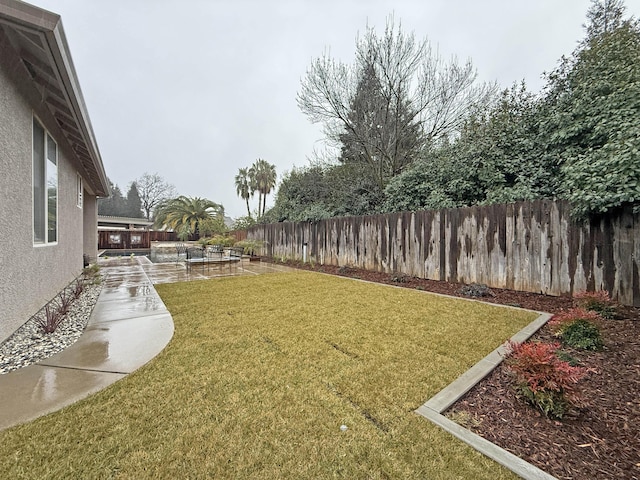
[[128, 327]]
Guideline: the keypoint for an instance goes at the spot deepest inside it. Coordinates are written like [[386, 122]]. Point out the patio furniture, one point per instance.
[[195, 255], [210, 257], [181, 250], [215, 251], [236, 253]]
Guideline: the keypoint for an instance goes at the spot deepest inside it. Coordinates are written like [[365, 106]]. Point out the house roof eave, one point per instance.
[[42, 46]]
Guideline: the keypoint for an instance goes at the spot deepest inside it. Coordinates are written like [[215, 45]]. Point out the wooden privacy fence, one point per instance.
[[123, 239], [130, 239], [526, 246]]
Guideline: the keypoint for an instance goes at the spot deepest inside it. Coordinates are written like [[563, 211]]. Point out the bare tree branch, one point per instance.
[[398, 98], [153, 190]]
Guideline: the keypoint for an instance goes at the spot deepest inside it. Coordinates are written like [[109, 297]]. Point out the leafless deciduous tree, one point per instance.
[[399, 97], [153, 190]]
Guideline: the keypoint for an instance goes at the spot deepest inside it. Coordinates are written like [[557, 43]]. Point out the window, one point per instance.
[[136, 239], [115, 238], [78, 190], [45, 186]]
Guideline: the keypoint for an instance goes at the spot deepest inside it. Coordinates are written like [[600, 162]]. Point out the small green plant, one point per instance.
[[92, 270], [582, 335], [224, 240], [543, 379], [565, 357], [599, 302], [91, 274], [281, 258], [578, 328], [251, 247]]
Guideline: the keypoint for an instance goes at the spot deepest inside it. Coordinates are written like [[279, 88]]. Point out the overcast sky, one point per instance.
[[195, 89]]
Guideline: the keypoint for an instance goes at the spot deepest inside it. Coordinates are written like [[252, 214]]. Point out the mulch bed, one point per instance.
[[601, 440]]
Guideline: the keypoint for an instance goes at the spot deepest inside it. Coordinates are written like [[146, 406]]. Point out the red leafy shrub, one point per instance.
[[543, 379], [571, 315], [599, 302]]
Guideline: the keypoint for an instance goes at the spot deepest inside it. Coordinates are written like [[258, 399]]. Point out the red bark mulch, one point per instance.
[[601, 440]]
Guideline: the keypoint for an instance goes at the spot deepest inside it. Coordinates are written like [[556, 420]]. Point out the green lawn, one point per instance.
[[259, 376]]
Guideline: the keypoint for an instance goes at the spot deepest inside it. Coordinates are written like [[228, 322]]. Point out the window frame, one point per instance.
[[45, 170], [79, 191]]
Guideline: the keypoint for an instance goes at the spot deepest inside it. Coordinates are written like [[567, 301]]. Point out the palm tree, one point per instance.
[[253, 183], [244, 187], [264, 177], [184, 214]]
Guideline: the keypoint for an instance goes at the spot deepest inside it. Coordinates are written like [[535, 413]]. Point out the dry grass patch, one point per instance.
[[259, 376]]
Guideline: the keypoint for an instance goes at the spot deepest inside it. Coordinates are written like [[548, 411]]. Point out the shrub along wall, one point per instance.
[[526, 246]]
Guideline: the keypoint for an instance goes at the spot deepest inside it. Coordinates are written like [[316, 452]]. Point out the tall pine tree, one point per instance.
[[134, 204]]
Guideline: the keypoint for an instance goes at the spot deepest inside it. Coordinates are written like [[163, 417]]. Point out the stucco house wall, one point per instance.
[[32, 273], [90, 226]]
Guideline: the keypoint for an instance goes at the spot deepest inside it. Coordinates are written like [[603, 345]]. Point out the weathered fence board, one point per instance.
[[527, 246]]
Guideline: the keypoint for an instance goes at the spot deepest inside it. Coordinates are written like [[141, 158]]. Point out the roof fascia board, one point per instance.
[[62, 57], [27, 15]]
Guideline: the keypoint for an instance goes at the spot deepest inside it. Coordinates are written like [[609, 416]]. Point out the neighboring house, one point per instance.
[[50, 168], [108, 222]]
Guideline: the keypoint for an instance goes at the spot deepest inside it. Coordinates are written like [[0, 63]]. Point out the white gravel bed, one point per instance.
[[29, 344]]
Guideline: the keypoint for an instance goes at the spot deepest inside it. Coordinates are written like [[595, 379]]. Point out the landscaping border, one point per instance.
[[432, 409]]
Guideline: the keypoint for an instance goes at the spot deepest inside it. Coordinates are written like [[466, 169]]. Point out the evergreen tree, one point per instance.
[[381, 132], [134, 204], [604, 16], [115, 205], [594, 122]]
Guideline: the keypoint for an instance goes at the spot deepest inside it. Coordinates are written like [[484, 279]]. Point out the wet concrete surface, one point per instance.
[[128, 327], [36, 390], [118, 346]]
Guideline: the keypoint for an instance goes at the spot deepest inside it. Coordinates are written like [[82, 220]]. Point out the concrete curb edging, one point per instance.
[[433, 408]]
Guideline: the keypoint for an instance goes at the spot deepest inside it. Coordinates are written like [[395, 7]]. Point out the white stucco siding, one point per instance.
[[31, 274]]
